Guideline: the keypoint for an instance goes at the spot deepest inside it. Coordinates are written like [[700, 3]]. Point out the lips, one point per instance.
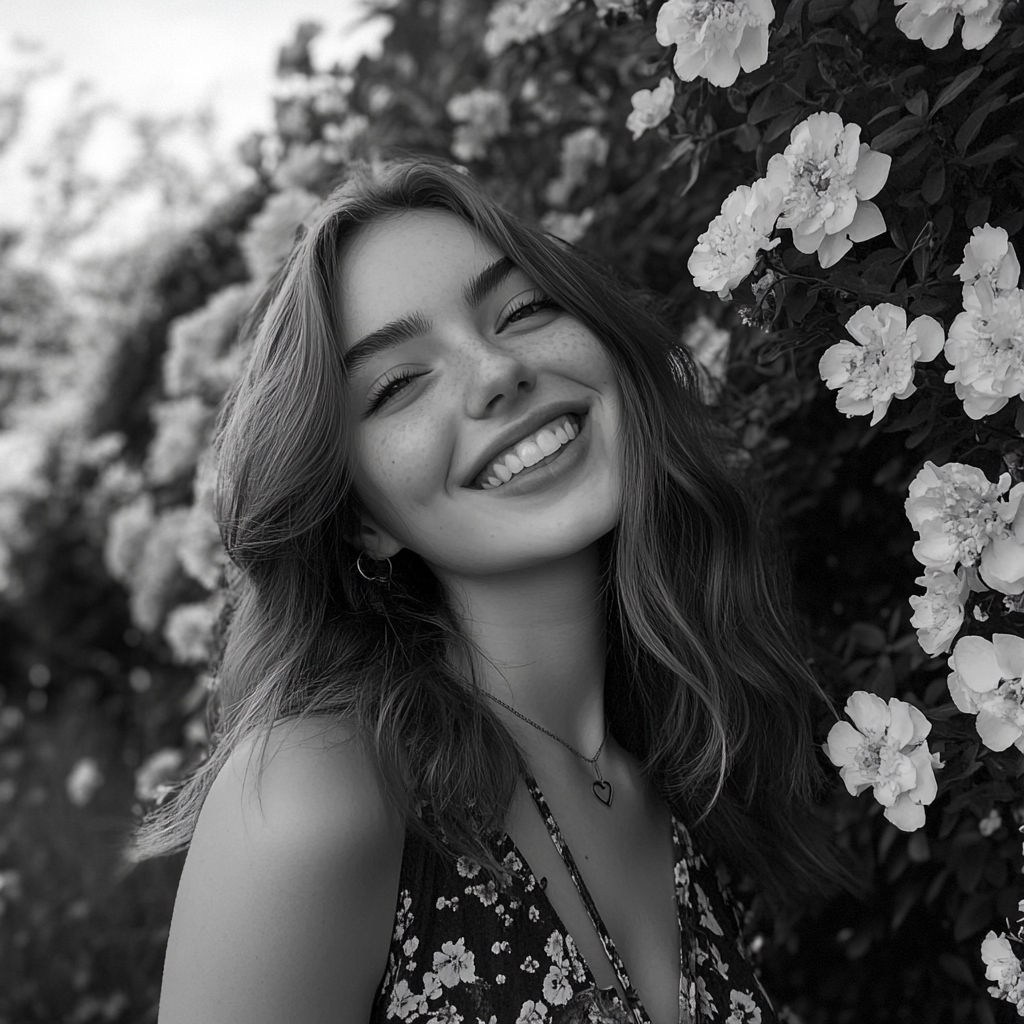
[[533, 440]]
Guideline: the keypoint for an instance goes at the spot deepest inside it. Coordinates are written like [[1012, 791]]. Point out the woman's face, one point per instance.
[[485, 419]]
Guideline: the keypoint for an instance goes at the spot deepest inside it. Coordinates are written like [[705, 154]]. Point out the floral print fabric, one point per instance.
[[469, 950]]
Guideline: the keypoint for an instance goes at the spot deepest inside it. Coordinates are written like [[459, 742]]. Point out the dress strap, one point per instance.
[[632, 996]]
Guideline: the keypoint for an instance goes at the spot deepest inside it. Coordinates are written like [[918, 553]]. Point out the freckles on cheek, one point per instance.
[[406, 462]]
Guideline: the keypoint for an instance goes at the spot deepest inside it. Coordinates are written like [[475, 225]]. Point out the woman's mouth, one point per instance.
[[537, 449]]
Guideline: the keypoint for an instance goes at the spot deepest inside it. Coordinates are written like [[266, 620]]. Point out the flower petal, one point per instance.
[[996, 733], [867, 222], [906, 815], [1010, 652], [974, 659], [872, 172], [843, 744], [869, 713]]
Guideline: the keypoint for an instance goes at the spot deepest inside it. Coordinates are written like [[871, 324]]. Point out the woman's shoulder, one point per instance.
[[287, 898]]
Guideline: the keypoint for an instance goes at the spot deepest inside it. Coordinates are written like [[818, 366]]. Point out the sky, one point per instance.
[[163, 57]]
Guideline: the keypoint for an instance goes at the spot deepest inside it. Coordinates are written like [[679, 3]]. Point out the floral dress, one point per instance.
[[467, 949]]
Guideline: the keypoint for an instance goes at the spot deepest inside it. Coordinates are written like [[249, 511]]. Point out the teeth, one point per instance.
[[530, 451], [547, 442]]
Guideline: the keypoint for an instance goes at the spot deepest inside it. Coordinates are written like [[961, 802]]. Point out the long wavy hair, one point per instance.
[[706, 685]]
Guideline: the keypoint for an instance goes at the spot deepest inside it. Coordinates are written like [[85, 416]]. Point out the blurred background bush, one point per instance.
[[111, 370]]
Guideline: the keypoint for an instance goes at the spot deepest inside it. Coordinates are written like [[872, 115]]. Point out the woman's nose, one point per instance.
[[495, 377]]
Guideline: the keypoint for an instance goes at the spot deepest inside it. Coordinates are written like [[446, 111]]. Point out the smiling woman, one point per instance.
[[509, 651]]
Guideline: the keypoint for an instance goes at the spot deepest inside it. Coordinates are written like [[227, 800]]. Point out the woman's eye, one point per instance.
[[390, 387], [525, 307]]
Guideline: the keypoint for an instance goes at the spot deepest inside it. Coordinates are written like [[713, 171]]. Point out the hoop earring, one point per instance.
[[377, 574]]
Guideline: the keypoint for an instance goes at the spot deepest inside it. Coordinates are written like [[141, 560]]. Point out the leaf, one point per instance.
[[798, 303], [865, 13], [791, 18], [968, 131], [956, 967], [770, 102], [819, 11], [1018, 422], [957, 86], [976, 913], [918, 103], [747, 138], [977, 211], [905, 129], [904, 903], [1003, 146], [882, 113], [934, 185], [782, 124]]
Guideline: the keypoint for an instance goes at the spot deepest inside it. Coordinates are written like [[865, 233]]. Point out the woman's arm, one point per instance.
[[286, 903]]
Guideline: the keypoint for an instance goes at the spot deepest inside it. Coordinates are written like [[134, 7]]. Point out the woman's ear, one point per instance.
[[373, 539]]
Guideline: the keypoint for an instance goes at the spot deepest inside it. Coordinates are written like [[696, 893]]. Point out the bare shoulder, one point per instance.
[[287, 898]]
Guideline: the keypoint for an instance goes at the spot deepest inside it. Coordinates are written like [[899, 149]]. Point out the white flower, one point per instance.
[[582, 150], [887, 751], [650, 107], [156, 772], [990, 255], [556, 988], [931, 21], [518, 21], [956, 510], [826, 175], [727, 252], [881, 367], [709, 345], [985, 347], [405, 1002], [990, 824], [454, 964], [939, 613], [1003, 967], [532, 1012], [83, 780], [570, 227], [714, 39], [986, 681], [480, 115]]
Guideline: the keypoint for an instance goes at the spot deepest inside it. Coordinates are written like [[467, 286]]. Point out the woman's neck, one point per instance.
[[541, 635]]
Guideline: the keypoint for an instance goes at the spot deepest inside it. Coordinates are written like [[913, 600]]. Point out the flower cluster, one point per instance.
[[715, 39], [651, 107], [886, 749], [879, 365], [986, 341], [518, 21], [986, 681], [480, 115], [932, 21], [820, 187], [1003, 967], [963, 518], [828, 177]]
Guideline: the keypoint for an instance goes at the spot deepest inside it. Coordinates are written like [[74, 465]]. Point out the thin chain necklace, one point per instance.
[[602, 787]]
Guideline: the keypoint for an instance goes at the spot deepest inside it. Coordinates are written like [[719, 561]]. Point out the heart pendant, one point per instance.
[[603, 791]]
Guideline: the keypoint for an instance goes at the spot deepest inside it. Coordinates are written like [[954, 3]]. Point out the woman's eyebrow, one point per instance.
[[407, 327]]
